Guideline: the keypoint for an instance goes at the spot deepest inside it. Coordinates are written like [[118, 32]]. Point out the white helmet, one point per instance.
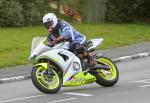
[[50, 20]]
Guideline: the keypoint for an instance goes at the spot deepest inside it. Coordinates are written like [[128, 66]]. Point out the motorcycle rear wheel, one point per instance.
[[106, 78], [43, 82]]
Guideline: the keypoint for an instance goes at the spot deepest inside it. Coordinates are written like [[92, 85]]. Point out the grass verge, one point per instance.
[[15, 43]]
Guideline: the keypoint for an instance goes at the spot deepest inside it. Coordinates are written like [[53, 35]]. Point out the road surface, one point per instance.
[[133, 87]]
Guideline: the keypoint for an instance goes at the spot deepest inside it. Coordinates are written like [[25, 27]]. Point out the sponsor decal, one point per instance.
[[73, 80]]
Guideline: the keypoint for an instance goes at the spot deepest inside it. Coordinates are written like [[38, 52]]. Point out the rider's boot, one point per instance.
[[90, 60]]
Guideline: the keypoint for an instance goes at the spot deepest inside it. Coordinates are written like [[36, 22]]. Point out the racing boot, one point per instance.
[[90, 60]]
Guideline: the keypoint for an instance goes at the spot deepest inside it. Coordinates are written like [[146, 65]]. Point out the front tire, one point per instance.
[[45, 84], [106, 78]]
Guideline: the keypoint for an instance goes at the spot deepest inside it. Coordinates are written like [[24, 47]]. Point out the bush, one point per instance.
[[120, 10], [22, 12], [127, 10], [11, 13], [34, 10], [31, 14]]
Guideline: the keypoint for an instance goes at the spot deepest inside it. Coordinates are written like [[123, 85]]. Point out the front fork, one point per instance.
[[49, 71]]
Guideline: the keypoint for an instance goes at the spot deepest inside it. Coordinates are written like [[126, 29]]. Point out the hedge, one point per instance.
[[22, 12]]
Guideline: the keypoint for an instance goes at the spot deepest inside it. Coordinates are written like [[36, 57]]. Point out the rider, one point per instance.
[[59, 30]]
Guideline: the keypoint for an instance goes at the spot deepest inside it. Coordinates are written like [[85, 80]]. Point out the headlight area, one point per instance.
[[32, 58]]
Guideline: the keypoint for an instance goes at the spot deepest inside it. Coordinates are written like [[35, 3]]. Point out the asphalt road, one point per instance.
[[132, 87]]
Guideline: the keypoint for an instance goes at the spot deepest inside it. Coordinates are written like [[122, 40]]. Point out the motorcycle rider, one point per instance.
[[59, 30]]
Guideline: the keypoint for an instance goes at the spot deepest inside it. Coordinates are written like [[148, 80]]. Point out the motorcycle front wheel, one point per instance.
[[109, 77], [45, 83]]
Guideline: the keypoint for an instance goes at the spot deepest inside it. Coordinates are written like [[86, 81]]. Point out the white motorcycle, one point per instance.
[[55, 67]]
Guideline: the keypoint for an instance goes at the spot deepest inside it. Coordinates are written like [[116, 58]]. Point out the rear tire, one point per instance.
[[43, 83], [105, 79]]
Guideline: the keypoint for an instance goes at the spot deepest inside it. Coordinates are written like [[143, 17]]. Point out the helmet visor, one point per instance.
[[49, 24]]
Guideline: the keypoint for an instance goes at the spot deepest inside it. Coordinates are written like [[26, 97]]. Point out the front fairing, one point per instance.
[[41, 51], [39, 48]]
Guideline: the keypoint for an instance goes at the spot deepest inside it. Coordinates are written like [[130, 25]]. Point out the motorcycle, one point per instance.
[[56, 67]]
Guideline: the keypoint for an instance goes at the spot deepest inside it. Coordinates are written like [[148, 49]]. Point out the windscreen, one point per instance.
[[36, 41]]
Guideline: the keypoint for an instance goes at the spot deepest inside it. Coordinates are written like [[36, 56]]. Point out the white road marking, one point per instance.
[[11, 100], [62, 100], [80, 94], [13, 78], [145, 81], [124, 57], [141, 81], [144, 54], [145, 86]]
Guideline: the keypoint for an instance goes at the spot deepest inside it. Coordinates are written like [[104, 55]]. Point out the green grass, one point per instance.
[[15, 43]]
